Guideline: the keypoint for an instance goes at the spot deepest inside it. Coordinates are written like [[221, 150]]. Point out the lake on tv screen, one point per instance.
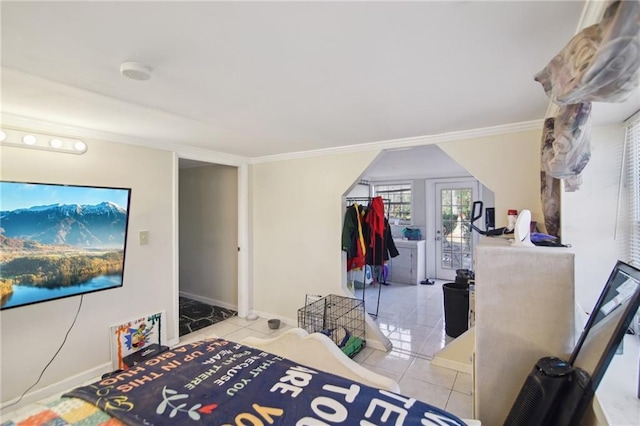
[[27, 294]]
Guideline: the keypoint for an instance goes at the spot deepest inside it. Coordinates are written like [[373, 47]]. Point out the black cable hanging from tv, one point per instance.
[[52, 358]]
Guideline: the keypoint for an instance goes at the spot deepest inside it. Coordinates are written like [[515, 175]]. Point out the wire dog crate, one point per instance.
[[341, 318]]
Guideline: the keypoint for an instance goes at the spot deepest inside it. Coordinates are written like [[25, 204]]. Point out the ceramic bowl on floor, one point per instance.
[[274, 324]]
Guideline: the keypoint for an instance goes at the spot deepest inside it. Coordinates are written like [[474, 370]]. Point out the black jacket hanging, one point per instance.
[[383, 247]]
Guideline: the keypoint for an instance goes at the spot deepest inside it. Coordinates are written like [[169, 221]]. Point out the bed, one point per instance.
[[256, 382]]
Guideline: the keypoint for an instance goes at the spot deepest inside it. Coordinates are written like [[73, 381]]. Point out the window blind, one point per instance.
[[633, 169]]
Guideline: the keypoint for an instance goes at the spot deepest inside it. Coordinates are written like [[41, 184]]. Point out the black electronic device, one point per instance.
[[476, 213], [489, 218], [143, 354], [553, 400], [577, 397], [540, 393]]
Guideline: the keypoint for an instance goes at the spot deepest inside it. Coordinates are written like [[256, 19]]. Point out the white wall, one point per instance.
[[32, 334], [509, 165], [209, 234], [593, 220], [360, 190], [297, 212], [297, 227]]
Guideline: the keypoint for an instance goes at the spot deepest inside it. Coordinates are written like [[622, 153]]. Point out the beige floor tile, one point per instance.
[[193, 337], [463, 383], [424, 317], [274, 333], [422, 370], [238, 335], [394, 375], [222, 328], [431, 347], [460, 405], [261, 325], [414, 331], [431, 394], [242, 322], [393, 360]]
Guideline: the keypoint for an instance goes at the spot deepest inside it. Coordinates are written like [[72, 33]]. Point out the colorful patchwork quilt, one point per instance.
[[65, 411]]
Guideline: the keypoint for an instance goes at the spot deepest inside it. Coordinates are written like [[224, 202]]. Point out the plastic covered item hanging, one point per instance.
[[599, 64]]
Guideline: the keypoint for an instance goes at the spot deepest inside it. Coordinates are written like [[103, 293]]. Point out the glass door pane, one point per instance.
[[454, 246]]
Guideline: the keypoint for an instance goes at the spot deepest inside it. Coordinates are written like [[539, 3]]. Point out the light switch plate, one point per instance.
[[143, 238]]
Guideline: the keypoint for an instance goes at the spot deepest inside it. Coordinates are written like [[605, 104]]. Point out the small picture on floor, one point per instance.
[[132, 336]]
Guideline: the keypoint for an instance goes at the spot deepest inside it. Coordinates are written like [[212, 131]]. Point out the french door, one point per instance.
[[454, 239]]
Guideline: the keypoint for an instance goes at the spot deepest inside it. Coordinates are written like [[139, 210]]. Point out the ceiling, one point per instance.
[[255, 79]]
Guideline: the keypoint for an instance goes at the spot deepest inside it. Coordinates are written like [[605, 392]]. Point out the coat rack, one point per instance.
[[367, 200]]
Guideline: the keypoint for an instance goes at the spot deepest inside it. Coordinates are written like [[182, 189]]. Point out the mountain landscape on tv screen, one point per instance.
[[60, 245], [99, 226]]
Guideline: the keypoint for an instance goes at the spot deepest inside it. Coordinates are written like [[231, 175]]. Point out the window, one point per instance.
[[633, 167], [397, 202]]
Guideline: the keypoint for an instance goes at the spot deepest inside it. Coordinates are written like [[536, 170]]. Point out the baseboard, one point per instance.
[[288, 321], [458, 353], [53, 389], [209, 301]]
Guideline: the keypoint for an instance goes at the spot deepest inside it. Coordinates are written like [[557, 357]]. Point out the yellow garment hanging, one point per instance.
[[359, 214]]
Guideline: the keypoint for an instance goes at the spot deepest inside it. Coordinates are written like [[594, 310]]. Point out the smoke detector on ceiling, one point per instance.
[[135, 71]]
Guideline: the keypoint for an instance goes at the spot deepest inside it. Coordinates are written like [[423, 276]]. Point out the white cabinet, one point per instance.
[[524, 310], [409, 266]]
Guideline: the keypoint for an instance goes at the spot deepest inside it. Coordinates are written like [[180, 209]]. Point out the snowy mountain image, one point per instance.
[[90, 226], [60, 240]]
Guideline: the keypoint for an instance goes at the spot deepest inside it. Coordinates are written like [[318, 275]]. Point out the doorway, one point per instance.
[[208, 233], [454, 239]]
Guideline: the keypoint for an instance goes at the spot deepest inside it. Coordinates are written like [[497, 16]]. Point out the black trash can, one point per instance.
[[456, 308], [463, 276]]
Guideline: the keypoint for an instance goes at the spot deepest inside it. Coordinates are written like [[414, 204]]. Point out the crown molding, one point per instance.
[[591, 13], [524, 126], [183, 151], [206, 155]]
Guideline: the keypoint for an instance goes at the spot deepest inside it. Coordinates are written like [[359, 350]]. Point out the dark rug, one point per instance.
[[195, 315]]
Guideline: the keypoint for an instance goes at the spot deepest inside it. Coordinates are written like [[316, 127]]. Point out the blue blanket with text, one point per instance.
[[218, 382]]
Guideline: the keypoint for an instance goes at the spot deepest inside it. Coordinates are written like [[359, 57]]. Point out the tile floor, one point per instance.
[[410, 316]]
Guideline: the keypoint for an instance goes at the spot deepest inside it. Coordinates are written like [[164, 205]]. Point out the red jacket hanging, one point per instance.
[[377, 231]]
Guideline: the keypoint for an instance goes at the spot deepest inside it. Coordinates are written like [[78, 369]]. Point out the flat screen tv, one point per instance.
[[60, 240]]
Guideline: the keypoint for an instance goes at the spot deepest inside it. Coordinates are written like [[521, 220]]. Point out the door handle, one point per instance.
[[438, 238]]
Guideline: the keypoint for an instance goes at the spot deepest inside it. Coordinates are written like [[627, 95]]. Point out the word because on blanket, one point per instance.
[[225, 383]]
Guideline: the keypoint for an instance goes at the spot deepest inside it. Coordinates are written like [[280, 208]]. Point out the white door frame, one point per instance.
[[245, 302], [433, 188]]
